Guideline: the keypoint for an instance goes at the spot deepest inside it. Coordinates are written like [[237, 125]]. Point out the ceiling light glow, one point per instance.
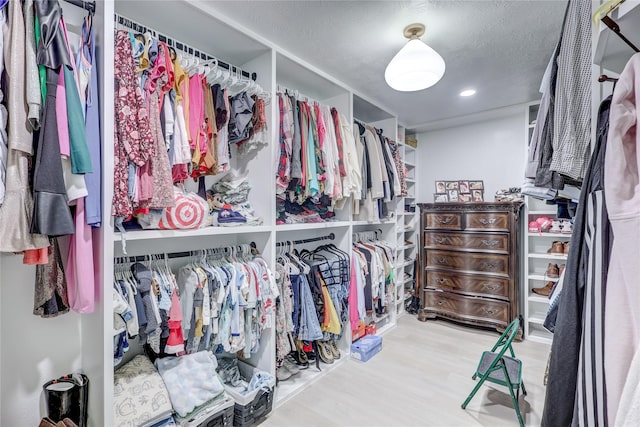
[[468, 92]]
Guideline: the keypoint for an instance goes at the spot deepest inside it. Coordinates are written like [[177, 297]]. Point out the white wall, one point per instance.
[[492, 151]]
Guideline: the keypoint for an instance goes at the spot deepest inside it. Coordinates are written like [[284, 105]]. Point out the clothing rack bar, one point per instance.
[[87, 5], [135, 26], [605, 78], [613, 26], [169, 255], [330, 236]]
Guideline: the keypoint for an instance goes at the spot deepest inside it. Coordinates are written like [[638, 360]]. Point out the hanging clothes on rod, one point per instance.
[[374, 275], [313, 309], [316, 161], [220, 300], [382, 173]]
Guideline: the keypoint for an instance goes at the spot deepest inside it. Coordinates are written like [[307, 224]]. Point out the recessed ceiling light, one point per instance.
[[468, 92]]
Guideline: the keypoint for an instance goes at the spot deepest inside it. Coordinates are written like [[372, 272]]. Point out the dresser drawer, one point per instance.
[[448, 221], [480, 285], [471, 262], [488, 242], [487, 221], [467, 308]]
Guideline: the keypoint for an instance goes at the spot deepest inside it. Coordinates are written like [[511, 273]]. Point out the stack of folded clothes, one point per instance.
[[233, 193]]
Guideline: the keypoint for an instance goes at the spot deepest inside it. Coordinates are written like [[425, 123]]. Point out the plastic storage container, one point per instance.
[[253, 406], [218, 414], [366, 347]]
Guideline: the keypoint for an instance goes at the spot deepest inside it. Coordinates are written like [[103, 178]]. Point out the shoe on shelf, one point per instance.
[[565, 247], [282, 374], [544, 222], [557, 248], [553, 271], [534, 227], [555, 227], [290, 365], [324, 353], [567, 227], [561, 269], [334, 349], [545, 290]]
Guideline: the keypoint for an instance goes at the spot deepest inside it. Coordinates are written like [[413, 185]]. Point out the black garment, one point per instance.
[[560, 400], [52, 49], [51, 214], [388, 163], [219, 105], [240, 117]]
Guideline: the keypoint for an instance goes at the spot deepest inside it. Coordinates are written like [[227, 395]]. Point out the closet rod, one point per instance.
[[135, 26], [358, 234], [87, 5], [169, 255], [613, 26], [331, 236], [605, 78]]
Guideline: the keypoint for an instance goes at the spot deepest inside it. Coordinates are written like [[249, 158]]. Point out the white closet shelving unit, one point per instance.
[[85, 342], [536, 256], [407, 229]]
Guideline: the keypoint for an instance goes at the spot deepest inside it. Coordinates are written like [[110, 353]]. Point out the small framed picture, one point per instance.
[[452, 185], [463, 187], [440, 198], [464, 198], [477, 195], [441, 187], [476, 185], [453, 195]]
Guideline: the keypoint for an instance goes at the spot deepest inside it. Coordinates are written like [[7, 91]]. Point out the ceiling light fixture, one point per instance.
[[416, 66], [468, 92]]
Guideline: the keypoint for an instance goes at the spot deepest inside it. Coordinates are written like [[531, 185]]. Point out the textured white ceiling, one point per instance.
[[500, 48]]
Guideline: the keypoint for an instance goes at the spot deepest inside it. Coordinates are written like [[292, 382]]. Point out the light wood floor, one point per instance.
[[420, 378]]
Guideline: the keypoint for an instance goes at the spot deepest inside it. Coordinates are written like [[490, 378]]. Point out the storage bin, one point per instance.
[[219, 414], [250, 407], [366, 347]]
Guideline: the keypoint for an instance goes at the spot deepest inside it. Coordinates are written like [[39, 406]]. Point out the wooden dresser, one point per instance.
[[469, 262]]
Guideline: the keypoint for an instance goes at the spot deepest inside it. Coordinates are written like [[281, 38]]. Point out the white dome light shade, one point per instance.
[[415, 67]]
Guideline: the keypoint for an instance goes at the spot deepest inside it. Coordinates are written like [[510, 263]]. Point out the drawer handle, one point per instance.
[[441, 302], [485, 221], [445, 219], [490, 243], [490, 311], [489, 265], [441, 240], [490, 286], [443, 280], [442, 260]]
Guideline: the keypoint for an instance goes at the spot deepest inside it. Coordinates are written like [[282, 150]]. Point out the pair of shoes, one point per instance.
[[299, 356], [545, 290], [48, 422], [559, 248], [544, 223], [567, 228], [534, 227], [288, 369], [325, 352], [555, 227], [553, 271]]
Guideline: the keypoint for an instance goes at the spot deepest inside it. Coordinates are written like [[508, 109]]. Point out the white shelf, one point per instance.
[[543, 337], [538, 320], [544, 212], [410, 181], [538, 298], [312, 225], [542, 277], [289, 388], [172, 234], [555, 235], [381, 222], [409, 165], [405, 247], [611, 52], [548, 256]]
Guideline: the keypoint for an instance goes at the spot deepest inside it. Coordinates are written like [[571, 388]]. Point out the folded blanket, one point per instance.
[[191, 380], [140, 396]]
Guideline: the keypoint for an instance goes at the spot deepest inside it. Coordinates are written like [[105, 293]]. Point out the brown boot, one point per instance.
[[545, 291], [553, 271], [561, 269], [565, 248], [556, 248]]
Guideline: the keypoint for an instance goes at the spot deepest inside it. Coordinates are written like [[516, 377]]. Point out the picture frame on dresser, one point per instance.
[[440, 198]]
